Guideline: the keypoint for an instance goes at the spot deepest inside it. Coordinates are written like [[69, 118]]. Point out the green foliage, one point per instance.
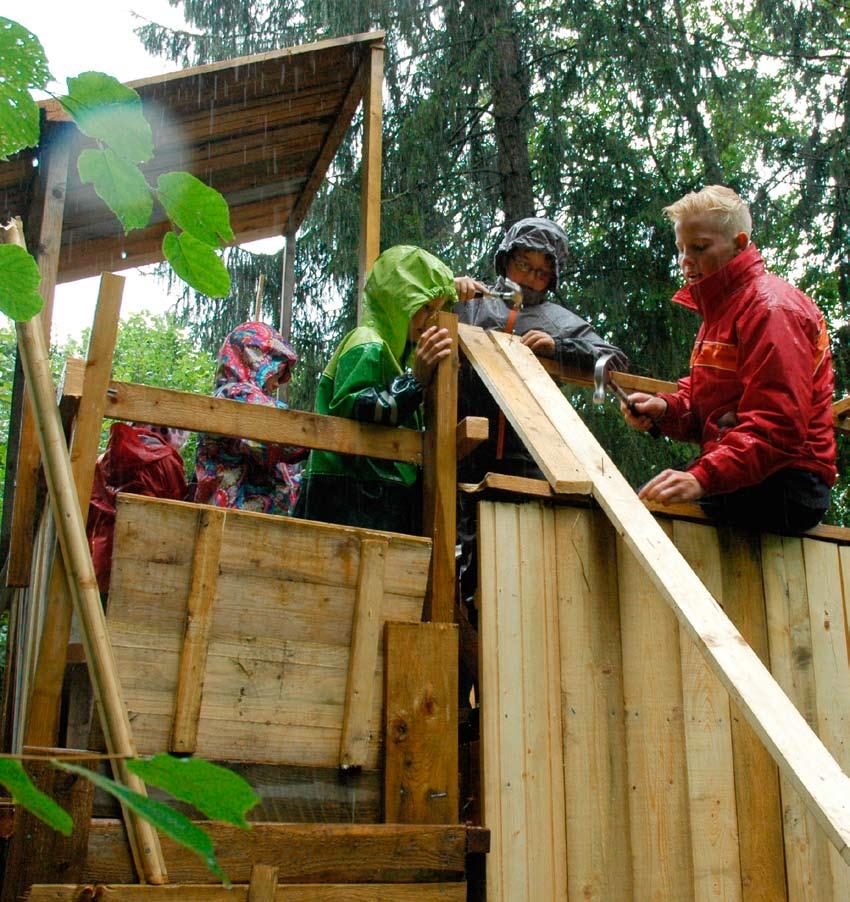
[[170, 822], [217, 792], [19, 281], [119, 184], [111, 113], [23, 792], [196, 263], [194, 207], [23, 66]]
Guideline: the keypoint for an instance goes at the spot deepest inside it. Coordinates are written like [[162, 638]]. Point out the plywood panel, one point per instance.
[[595, 778], [708, 739], [655, 738], [789, 632], [279, 635]]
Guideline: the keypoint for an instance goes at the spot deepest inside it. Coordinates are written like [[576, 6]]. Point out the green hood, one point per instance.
[[403, 279]]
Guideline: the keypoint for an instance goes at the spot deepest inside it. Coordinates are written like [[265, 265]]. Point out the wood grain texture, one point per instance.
[[303, 853], [421, 762], [595, 774], [471, 431], [281, 632], [366, 626], [708, 740], [263, 885], [807, 867], [372, 81], [203, 580], [349, 892]]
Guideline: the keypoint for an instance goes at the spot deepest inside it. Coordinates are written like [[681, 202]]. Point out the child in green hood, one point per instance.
[[378, 374]]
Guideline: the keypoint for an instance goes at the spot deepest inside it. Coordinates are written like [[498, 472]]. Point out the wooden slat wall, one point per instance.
[[274, 685], [664, 795]]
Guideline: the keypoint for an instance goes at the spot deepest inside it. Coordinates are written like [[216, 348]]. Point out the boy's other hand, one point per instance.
[[467, 288], [672, 487], [648, 407], [540, 342], [434, 344]]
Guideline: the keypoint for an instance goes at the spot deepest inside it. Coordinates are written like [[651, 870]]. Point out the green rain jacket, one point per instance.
[[365, 379]]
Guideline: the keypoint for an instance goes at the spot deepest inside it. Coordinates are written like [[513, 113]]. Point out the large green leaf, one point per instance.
[[120, 184], [105, 109], [172, 823], [24, 792], [19, 281], [197, 264], [195, 207], [23, 65], [217, 792]]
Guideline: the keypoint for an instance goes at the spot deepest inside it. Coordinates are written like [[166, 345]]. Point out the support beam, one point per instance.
[[370, 183], [43, 719], [801, 756], [287, 293], [471, 431]]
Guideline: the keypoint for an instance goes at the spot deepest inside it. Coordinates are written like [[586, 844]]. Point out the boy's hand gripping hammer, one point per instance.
[[511, 295], [602, 379]]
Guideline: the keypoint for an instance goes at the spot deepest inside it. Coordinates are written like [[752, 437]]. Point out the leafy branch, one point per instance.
[[110, 113]]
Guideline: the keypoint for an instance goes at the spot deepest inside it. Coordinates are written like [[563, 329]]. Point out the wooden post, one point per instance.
[[287, 292], [40, 854], [370, 184], [263, 885], [258, 297], [421, 770], [32, 347], [45, 221], [439, 514], [43, 721]]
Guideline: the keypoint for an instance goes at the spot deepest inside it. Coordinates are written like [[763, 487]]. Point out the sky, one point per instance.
[[98, 34]]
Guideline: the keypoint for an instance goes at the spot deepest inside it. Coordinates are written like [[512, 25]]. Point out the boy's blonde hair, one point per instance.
[[723, 204]]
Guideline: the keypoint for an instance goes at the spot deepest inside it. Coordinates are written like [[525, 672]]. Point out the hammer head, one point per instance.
[[601, 377]]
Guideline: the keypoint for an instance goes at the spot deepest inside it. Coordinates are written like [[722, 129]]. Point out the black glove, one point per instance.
[[395, 403]]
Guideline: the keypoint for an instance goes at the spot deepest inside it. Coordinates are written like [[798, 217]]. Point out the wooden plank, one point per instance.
[[659, 813], [44, 226], [43, 718], [348, 892], [471, 431], [199, 611], [38, 853], [366, 625], [595, 775], [421, 762], [370, 171], [799, 753], [439, 475], [270, 696], [303, 853], [200, 413], [628, 381], [263, 884], [708, 740], [807, 867], [523, 411], [756, 776], [831, 670]]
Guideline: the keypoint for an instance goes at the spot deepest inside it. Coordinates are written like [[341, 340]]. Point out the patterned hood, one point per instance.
[[252, 353]]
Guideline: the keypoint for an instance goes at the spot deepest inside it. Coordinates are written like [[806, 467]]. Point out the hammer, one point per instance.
[[511, 295], [602, 378]]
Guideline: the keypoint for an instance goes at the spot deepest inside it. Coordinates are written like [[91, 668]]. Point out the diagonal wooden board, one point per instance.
[[801, 756], [524, 412]]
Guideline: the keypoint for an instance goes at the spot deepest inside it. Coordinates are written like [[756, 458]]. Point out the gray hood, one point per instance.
[[535, 234]]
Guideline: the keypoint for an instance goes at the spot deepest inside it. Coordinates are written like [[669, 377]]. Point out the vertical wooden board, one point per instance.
[[789, 633], [708, 739], [655, 738], [756, 776], [488, 644], [844, 561], [832, 671], [421, 769], [545, 844], [595, 778]]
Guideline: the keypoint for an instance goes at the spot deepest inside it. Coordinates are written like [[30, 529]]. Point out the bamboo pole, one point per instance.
[[71, 532]]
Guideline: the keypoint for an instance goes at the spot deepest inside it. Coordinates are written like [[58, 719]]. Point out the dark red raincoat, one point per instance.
[[762, 354]]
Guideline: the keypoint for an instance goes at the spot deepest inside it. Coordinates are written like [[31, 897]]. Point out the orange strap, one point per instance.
[[500, 434]]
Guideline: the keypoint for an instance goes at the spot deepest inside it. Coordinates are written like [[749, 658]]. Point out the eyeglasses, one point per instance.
[[527, 269]]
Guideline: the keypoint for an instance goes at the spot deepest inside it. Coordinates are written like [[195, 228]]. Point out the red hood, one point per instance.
[[712, 291]]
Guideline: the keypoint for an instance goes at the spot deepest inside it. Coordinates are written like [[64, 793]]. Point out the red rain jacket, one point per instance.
[[762, 353], [137, 460]]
